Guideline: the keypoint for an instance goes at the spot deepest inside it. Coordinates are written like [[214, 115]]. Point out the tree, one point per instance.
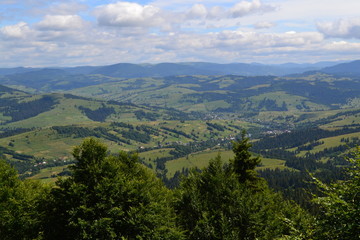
[[216, 204], [340, 205], [109, 197], [243, 163], [19, 201]]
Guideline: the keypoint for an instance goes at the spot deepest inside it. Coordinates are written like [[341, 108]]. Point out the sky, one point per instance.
[[45, 33]]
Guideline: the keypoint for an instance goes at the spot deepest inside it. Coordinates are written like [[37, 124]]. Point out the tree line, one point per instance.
[[115, 197]]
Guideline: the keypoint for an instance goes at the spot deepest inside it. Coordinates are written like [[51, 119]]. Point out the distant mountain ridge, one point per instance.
[[345, 69], [129, 70], [37, 80]]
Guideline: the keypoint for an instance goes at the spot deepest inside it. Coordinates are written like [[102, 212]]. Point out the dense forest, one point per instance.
[[116, 197]]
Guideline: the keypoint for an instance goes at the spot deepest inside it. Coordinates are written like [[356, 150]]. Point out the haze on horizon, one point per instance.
[[38, 33]]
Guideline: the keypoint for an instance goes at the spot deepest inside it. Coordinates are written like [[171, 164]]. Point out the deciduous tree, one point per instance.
[[109, 197]]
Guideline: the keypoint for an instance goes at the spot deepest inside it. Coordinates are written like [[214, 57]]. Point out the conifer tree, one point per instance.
[[230, 202], [243, 164]]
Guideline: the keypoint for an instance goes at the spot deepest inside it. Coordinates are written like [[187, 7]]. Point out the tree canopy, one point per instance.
[[230, 202], [19, 202], [116, 197], [109, 197], [340, 205]]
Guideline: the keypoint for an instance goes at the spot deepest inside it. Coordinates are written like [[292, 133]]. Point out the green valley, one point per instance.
[[176, 123]]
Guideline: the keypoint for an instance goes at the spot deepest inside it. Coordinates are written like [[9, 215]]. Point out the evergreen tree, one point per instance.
[[219, 203], [243, 163], [109, 197]]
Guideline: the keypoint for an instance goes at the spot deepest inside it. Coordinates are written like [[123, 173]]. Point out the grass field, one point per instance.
[[48, 175], [329, 143], [201, 160]]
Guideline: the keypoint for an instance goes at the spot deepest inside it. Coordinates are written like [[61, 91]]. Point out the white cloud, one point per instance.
[[344, 28], [60, 22], [66, 8], [19, 30], [343, 47], [66, 33], [244, 8], [240, 41], [241, 9], [126, 14], [95, 46], [217, 12], [197, 11], [264, 24]]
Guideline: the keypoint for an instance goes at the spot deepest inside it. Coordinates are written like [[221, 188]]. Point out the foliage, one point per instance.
[[99, 114], [340, 205], [140, 114], [109, 197], [24, 110], [229, 202], [243, 164], [19, 201]]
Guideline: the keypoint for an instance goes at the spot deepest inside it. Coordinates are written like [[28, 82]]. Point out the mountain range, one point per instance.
[[128, 70]]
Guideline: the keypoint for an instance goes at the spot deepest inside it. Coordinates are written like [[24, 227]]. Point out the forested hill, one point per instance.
[[230, 93], [312, 91]]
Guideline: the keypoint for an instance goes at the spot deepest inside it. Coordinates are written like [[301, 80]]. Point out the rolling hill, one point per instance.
[[181, 121], [232, 94]]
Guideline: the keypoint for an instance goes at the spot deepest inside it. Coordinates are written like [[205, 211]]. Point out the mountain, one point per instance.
[[254, 69], [129, 70], [203, 68], [345, 69], [158, 70], [7, 71]]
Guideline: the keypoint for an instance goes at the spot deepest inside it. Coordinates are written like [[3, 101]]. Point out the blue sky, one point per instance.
[[96, 32]]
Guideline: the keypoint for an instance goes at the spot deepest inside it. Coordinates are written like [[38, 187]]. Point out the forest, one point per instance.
[[114, 196]]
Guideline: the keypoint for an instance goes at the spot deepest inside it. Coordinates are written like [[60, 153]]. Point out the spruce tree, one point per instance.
[[243, 164]]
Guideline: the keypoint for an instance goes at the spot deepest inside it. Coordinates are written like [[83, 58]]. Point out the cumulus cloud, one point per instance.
[[239, 41], [19, 30], [245, 8], [60, 22], [344, 28], [239, 10], [126, 14], [217, 12], [343, 46], [196, 32], [224, 46], [197, 11]]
